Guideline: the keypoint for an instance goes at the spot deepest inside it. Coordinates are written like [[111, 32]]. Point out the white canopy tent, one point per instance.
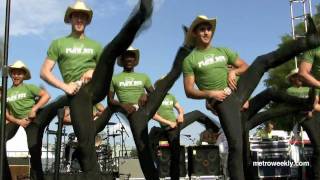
[[18, 146]]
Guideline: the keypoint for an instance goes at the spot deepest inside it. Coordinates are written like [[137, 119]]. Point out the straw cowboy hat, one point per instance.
[[292, 72], [78, 6], [199, 20], [133, 50], [20, 65]]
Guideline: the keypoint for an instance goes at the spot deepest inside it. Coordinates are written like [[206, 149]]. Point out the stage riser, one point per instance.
[[79, 176]]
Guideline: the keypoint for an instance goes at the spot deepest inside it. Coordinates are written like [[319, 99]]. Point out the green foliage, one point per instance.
[[1, 50], [133, 153]]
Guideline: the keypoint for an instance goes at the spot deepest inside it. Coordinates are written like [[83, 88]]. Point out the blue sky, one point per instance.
[[250, 27]]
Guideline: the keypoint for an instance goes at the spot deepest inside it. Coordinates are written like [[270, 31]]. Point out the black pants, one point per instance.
[[173, 136], [33, 145], [197, 116], [312, 127], [229, 110]]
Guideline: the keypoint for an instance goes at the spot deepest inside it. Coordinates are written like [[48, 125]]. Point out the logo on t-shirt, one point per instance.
[[16, 97], [130, 81], [79, 50], [167, 102], [211, 59]]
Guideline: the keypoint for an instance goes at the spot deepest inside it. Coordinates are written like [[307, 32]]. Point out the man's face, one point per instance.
[[269, 127], [17, 76], [203, 34], [129, 61], [79, 21]]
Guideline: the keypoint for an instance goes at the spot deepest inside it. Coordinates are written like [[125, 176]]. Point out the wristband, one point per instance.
[[227, 90]]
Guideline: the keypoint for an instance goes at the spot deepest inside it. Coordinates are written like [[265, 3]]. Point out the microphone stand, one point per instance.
[[47, 162], [4, 68], [123, 129], [188, 136]]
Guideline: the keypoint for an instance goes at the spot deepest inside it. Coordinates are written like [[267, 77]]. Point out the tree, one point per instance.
[[133, 153], [277, 76], [1, 51]]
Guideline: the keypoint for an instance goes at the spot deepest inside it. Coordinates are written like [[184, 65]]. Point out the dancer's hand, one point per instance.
[[210, 108], [180, 119], [143, 100], [232, 80], [219, 95], [32, 114], [128, 108], [87, 76], [310, 114], [173, 125], [245, 106], [24, 122], [71, 88]]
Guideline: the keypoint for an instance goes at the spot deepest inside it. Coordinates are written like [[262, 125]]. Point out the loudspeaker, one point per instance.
[[204, 160], [130, 168], [164, 160]]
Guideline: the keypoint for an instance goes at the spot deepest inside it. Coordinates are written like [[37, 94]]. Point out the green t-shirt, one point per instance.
[[21, 99], [302, 92], [166, 109], [264, 134], [74, 56], [209, 67], [313, 57], [129, 86]]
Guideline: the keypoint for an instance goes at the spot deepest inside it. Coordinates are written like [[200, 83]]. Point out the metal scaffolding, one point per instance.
[[299, 10]]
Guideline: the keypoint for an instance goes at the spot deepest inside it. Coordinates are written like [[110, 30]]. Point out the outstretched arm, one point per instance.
[[305, 72], [44, 98], [180, 111]]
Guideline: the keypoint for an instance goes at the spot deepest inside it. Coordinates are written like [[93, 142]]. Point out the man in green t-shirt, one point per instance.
[[169, 122], [83, 93], [310, 123], [309, 68], [23, 103], [207, 67], [129, 86], [227, 95], [266, 132], [76, 56]]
